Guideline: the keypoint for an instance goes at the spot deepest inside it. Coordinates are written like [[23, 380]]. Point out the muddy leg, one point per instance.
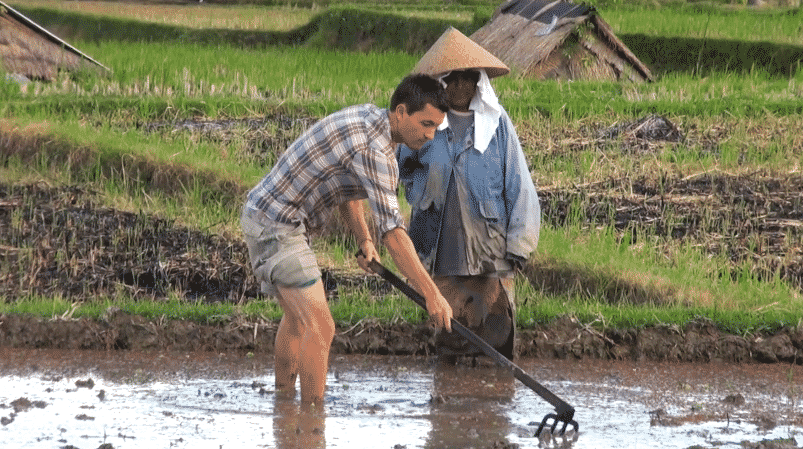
[[501, 319], [309, 309], [485, 305], [460, 296], [287, 353]]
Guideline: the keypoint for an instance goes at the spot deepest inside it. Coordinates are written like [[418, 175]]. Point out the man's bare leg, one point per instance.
[[312, 328], [287, 352]]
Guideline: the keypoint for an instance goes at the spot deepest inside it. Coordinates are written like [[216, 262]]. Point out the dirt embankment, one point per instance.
[[699, 341], [56, 242]]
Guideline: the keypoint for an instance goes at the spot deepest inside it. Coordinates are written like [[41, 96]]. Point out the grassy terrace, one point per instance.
[[728, 76]]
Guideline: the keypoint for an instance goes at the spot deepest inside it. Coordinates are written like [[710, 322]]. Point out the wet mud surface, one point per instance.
[[132, 399], [58, 242]]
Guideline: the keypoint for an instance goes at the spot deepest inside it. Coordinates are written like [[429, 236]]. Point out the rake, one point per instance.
[[564, 413]]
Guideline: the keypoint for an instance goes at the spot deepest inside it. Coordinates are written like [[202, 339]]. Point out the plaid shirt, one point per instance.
[[346, 156]]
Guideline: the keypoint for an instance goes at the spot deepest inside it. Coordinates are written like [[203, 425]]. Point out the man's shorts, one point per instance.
[[280, 254]]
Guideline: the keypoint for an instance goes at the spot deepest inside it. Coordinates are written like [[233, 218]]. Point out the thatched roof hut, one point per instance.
[[557, 39], [29, 50]]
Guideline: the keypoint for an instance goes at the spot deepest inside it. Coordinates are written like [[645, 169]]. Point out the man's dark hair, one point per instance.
[[416, 91]]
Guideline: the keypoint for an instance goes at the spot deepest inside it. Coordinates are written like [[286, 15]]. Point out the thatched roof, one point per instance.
[[28, 49], [557, 39]]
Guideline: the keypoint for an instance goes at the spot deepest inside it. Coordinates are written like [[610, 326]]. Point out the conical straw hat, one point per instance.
[[454, 51]]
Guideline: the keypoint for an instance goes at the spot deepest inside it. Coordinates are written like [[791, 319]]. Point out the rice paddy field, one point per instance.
[[663, 202]]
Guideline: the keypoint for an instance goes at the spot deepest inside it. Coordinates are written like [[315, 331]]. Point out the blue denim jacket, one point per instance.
[[499, 204]]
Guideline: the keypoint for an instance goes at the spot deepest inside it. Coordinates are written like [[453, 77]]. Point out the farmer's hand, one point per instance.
[[366, 254], [440, 312], [516, 261]]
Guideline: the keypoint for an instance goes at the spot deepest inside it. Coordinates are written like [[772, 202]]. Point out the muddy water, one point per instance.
[[84, 399]]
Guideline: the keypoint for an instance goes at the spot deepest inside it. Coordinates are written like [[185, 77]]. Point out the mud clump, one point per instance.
[[20, 405], [24, 404], [88, 384]]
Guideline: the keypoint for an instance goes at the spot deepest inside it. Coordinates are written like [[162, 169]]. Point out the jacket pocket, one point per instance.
[[487, 208], [491, 217]]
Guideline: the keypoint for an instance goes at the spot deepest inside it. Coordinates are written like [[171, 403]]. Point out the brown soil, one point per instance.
[[699, 341], [58, 242]]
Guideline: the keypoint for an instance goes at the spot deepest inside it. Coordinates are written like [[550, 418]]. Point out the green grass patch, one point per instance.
[[173, 309], [210, 16], [356, 305], [351, 307], [605, 280], [602, 316]]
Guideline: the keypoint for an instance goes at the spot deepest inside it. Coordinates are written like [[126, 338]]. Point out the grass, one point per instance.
[[140, 171], [721, 94], [211, 16], [610, 283], [173, 309], [352, 307], [196, 80], [740, 109], [689, 21], [280, 16], [360, 305]]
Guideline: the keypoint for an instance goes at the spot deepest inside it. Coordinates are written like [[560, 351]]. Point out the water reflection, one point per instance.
[[452, 406], [468, 406], [297, 427]]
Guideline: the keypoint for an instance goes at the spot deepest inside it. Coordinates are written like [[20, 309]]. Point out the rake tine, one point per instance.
[[556, 420]]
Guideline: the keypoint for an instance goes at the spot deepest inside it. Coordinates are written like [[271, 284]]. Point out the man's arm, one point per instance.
[[352, 213], [521, 198], [403, 252]]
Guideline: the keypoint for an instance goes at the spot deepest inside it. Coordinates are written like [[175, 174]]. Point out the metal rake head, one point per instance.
[[566, 420]]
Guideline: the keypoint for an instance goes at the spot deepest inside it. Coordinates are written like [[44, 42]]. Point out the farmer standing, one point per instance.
[[340, 161], [475, 215]]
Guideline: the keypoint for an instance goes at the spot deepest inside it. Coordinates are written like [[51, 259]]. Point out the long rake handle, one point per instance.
[[564, 411]]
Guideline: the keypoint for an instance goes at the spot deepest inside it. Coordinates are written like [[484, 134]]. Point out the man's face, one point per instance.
[[461, 85], [418, 128]]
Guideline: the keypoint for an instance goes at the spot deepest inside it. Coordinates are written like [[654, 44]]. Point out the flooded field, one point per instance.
[[129, 399]]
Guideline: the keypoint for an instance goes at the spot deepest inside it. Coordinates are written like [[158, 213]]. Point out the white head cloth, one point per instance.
[[487, 111]]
